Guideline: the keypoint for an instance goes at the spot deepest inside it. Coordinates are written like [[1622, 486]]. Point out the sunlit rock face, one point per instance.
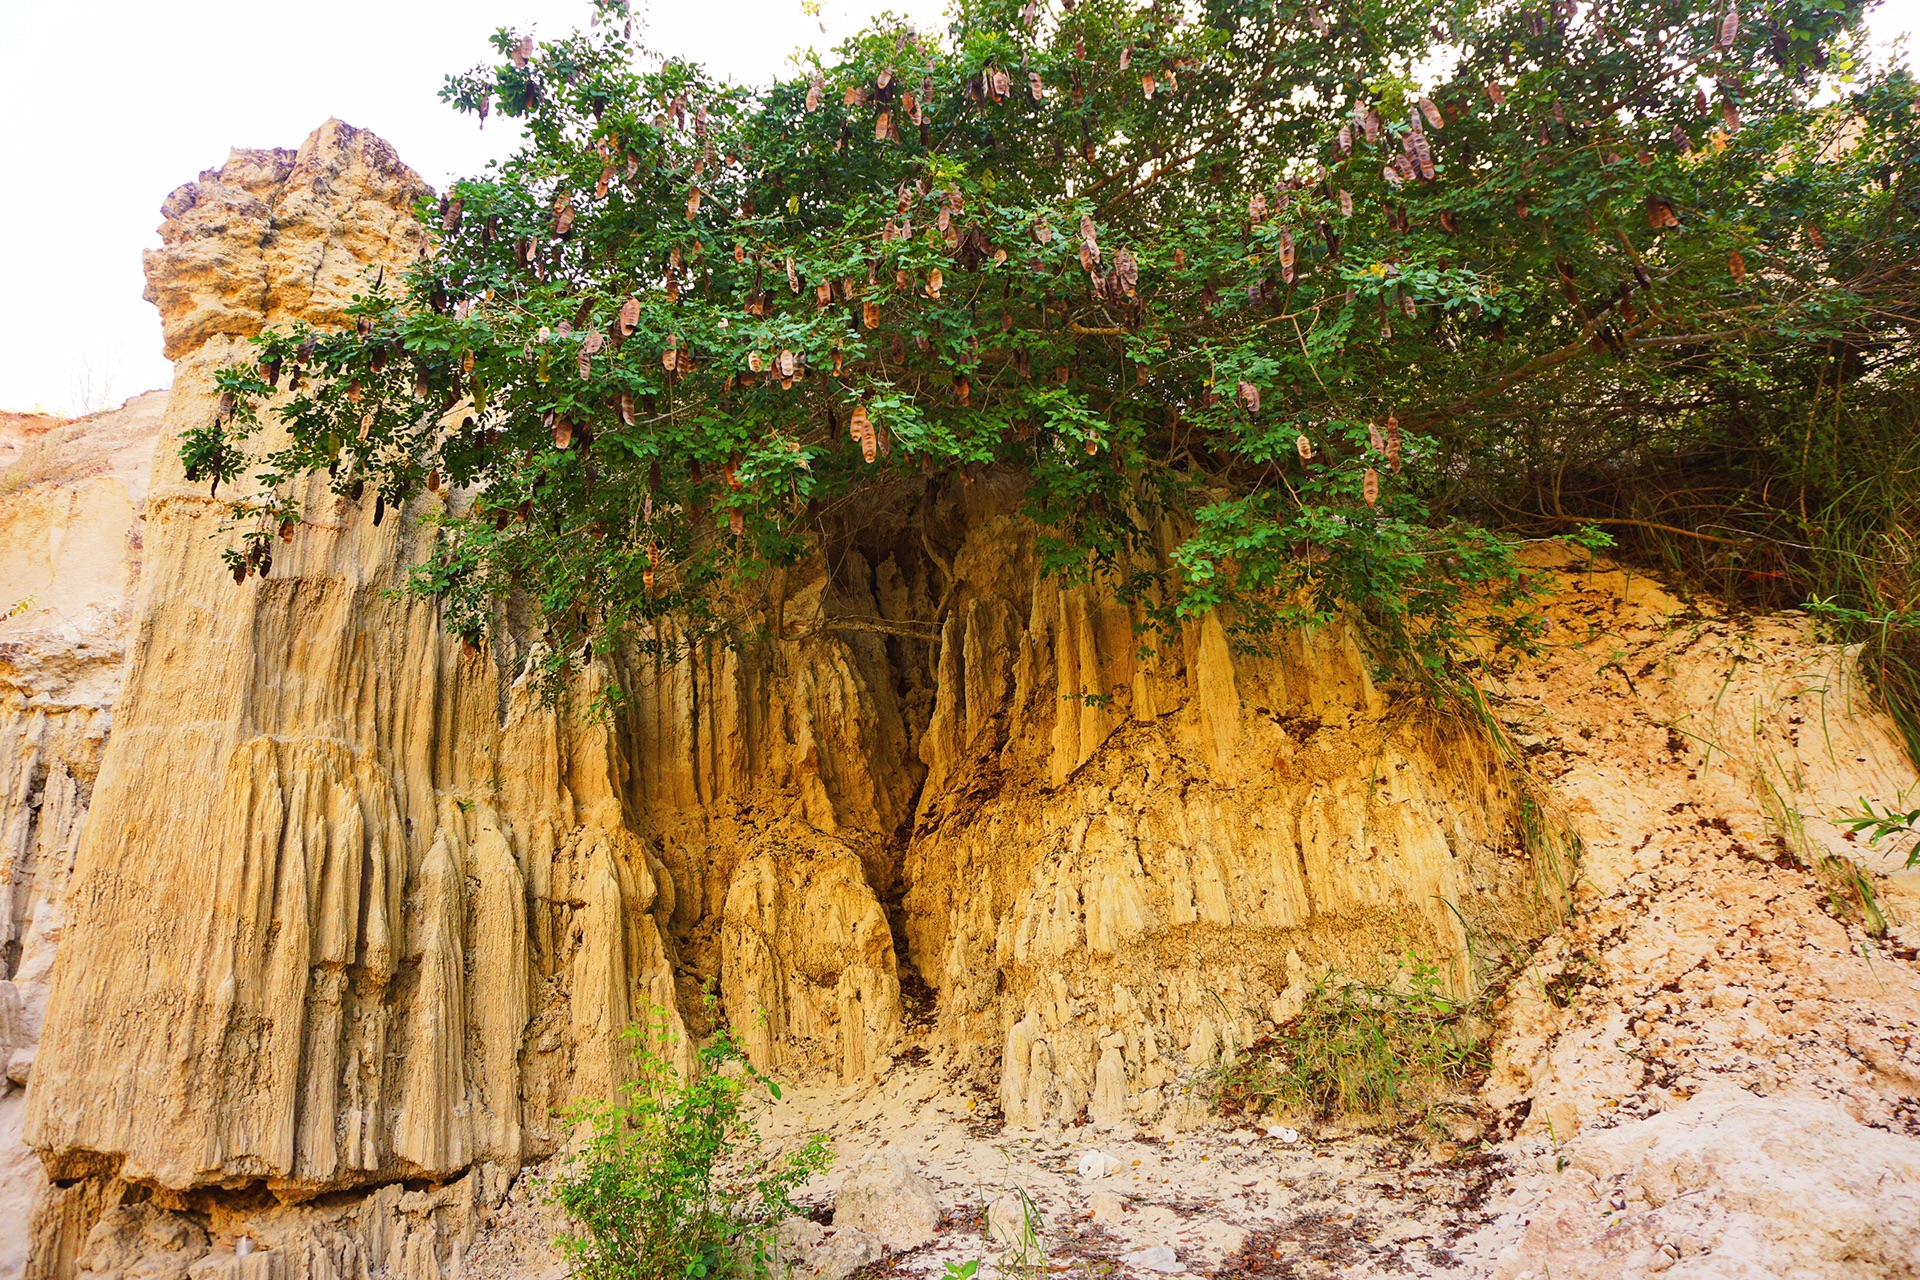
[[353, 910]]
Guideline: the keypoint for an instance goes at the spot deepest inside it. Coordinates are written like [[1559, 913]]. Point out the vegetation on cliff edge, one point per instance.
[[1288, 306]]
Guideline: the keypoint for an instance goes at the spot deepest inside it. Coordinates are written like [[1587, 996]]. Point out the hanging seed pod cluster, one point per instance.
[[1127, 256]]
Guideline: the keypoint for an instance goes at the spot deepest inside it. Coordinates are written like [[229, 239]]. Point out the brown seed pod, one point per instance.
[[626, 407], [1257, 208], [1148, 83], [562, 433], [1043, 232], [1126, 273], [1376, 441], [1344, 139], [1393, 443], [1495, 94], [934, 281], [870, 315], [1036, 86], [1420, 153], [736, 522], [1250, 397], [693, 202], [1370, 125], [1346, 203], [816, 88], [1179, 259], [793, 277], [1303, 447], [1730, 27], [883, 126], [1317, 21], [1370, 486], [1286, 256], [1737, 265], [629, 316], [1432, 113], [583, 363]]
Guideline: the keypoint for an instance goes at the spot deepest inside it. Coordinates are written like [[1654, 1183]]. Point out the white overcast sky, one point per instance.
[[113, 103]]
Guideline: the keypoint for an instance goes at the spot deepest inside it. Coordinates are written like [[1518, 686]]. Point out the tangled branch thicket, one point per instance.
[[1275, 307]]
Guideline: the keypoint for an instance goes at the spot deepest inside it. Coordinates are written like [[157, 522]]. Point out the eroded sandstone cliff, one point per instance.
[[354, 914], [354, 909]]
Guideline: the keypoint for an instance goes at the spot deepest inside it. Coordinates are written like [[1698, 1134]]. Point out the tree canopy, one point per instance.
[[1283, 306]]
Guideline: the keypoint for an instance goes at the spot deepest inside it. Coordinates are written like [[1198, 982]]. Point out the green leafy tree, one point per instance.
[[1270, 306], [669, 1186]]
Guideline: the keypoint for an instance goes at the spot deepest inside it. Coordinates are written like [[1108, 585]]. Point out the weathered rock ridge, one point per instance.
[[353, 914], [354, 909]]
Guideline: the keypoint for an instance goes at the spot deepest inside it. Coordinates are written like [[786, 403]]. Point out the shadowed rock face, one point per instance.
[[352, 909]]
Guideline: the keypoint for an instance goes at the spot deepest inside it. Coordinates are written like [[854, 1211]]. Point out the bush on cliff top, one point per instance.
[[1271, 304]]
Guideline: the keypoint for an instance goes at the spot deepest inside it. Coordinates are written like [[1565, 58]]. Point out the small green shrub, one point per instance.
[[667, 1187], [1360, 1049], [1892, 825]]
